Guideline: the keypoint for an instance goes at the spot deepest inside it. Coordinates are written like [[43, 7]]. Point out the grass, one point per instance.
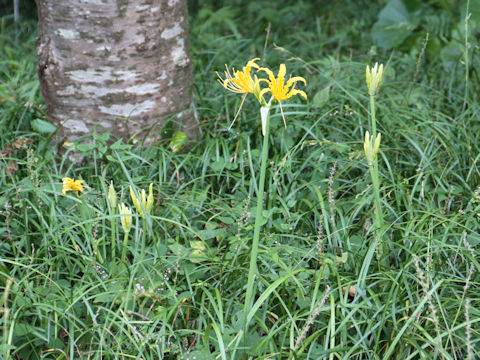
[[182, 294]]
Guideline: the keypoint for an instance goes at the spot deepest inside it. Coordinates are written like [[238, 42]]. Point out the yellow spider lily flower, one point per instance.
[[70, 184], [242, 83], [370, 148], [277, 86], [147, 202], [373, 78], [280, 89]]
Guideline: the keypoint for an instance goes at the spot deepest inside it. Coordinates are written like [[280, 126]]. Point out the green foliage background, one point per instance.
[[63, 296]]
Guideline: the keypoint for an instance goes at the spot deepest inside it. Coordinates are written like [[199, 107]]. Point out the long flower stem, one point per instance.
[[113, 224], [376, 185], [378, 209], [258, 221], [373, 122]]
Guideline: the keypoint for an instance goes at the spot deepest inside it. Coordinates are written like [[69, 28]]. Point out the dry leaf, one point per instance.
[[351, 291], [11, 167]]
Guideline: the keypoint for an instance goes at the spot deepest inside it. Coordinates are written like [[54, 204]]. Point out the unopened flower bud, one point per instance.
[[112, 196], [125, 218], [370, 148], [373, 78]]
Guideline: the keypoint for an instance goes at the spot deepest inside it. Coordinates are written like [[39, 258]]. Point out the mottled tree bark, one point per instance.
[[103, 61]]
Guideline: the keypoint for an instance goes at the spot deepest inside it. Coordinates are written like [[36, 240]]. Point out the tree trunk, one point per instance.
[[120, 65]]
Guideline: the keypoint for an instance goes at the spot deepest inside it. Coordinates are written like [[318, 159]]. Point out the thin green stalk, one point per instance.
[[6, 312], [258, 220], [378, 209], [332, 326], [143, 239], [124, 250], [113, 226], [373, 122], [465, 54], [376, 185]]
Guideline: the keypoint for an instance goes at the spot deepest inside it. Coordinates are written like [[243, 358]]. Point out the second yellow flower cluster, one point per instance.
[[144, 205]]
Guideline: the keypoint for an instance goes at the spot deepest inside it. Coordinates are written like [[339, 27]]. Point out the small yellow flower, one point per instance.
[[280, 89], [126, 217], [72, 185], [373, 78], [147, 202], [241, 82], [370, 148]]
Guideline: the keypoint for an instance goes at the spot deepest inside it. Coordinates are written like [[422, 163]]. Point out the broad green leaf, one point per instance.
[[197, 245], [321, 97], [210, 234], [393, 26], [451, 54], [43, 127], [473, 10]]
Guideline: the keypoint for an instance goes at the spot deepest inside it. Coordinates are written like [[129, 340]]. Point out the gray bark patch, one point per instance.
[[103, 59]]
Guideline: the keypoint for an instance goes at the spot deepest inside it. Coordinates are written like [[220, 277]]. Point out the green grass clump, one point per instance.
[[179, 292]]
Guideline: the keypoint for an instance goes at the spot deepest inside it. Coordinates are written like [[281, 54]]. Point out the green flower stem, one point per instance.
[[378, 209], [372, 116], [143, 239], [258, 220], [124, 250], [376, 185], [113, 226]]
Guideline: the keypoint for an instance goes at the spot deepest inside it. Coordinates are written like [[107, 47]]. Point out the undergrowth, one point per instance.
[[181, 295]]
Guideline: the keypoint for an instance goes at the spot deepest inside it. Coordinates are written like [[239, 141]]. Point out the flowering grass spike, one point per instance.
[[70, 184]]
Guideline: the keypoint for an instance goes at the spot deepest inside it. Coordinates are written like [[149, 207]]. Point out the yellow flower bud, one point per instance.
[[377, 145], [135, 201], [370, 148], [125, 218], [373, 78], [147, 202], [112, 196], [366, 144]]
